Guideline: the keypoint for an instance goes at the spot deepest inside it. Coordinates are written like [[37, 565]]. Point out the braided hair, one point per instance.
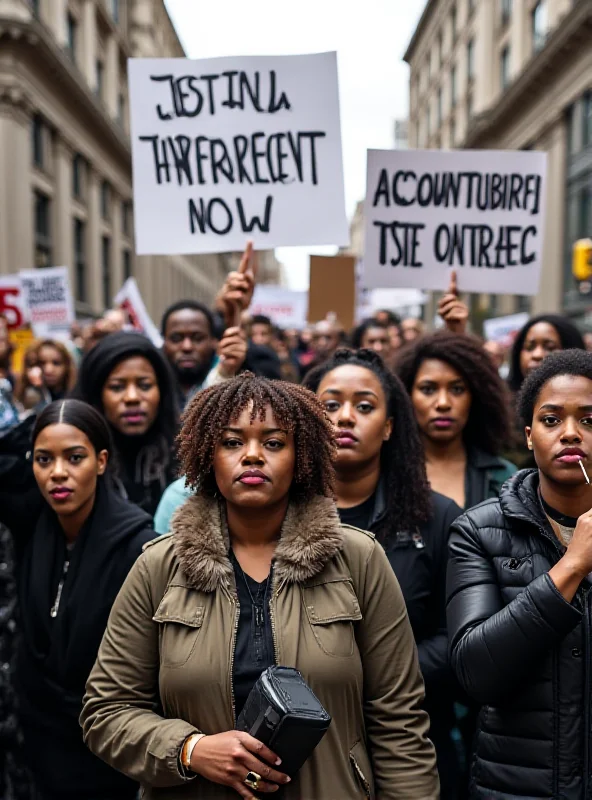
[[295, 409], [402, 457]]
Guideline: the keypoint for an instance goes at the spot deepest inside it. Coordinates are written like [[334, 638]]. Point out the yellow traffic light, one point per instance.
[[582, 260]]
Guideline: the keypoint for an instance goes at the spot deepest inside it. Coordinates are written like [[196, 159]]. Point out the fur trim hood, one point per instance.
[[311, 536]]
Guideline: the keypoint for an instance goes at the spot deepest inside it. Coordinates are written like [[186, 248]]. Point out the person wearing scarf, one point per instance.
[[75, 540]]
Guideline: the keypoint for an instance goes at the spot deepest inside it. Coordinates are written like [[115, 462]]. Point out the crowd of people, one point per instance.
[[402, 515]]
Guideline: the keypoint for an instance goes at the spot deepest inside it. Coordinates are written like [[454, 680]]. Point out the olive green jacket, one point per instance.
[[164, 669]]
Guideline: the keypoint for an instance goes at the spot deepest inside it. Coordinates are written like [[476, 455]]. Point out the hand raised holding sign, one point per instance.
[[453, 311], [238, 287]]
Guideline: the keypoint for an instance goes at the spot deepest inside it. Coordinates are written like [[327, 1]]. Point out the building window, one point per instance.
[[106, 270], [570, 131], [78, 169], [506, 10], [587, 120], [114, 8], [125, 218], [80, 259], [471, 60], [105, 200], [505, 67], [523, 303], [470, 7], [470, 106], [42, 219], [439, 108], [100, 78], [71, 31], [453, 93], [121, 108], [127, 264], [539, 25], [585, 213], [37, 134], [453, 26], [36, 8], [452, 132]]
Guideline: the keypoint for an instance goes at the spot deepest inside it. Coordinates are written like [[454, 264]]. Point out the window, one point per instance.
[[523, 303], [125, 218], [539, 25], [505, 67], [587, 120], [100, 77], [78, 169], [127, 264], [80, 259], [36, 7], [114, 8], [585, 213], [121, 108], [570, 131], [453, 21], [105, 200], [453, 94], [38, 136], [470, 105], [71, 31], [439, 108], [106, 270], [42, 220], [506, 10], [452, 132], [470, 7], [471, 60]]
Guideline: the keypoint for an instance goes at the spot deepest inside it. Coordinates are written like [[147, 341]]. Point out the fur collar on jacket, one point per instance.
[[311, 535]]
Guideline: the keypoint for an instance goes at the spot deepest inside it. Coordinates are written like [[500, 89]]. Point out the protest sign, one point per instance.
[[48, 301], [332, 289], [285, 308], [479, 211], [229, 149], [11, 300], [504, 329], [20, 340], [129, 299]]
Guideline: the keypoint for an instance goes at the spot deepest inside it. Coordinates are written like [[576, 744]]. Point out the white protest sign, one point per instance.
[[504, 329], [11, 300], [48, 301], [285, 308], [479, 211], [229, 149], [129, 299]]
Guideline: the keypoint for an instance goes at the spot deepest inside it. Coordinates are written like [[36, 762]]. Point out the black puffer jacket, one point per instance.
[[520, 650]]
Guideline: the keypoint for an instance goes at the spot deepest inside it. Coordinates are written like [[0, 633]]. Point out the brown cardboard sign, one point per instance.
[[332, 289]]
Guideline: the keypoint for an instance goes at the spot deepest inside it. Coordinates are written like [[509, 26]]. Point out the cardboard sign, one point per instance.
[[21, 340], [479, 211], [230, 149], [11, 301], [48, 301], [504, 329], [332, 289], [130, 300], [284, 307]]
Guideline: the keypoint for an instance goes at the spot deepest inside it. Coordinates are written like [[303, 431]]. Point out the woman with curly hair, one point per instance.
[[462, 410], [381, 486], [259, 571]]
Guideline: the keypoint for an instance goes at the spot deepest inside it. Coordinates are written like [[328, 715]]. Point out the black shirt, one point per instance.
[[358, 516], [254, 650]]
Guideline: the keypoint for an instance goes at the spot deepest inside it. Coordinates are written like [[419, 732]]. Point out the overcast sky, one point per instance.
[[370, 39]]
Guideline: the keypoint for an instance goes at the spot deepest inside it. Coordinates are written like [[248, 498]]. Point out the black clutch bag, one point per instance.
[[282, 712]]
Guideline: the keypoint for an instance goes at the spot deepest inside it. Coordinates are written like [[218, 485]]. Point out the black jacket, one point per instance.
[[485, 475], [418, 559], [520, 650]]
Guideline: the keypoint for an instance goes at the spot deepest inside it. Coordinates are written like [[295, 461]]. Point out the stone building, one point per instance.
[[65, 155], [514, 74]]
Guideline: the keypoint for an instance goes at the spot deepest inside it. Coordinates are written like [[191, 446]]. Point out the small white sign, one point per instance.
[[284, 307], [504, 329], [48, 301], [129, 299], [230, 149], [479, 211]]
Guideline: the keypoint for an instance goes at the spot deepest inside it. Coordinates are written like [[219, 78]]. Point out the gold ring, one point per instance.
[[252, 780]]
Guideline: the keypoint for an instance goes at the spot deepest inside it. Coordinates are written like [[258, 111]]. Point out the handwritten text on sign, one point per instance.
[[479, 211], [230, 148]]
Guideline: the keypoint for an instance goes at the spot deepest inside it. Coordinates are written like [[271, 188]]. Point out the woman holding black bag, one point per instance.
[[259, 571]]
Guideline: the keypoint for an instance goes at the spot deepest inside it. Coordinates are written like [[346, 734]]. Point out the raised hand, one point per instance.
[[452, 310]]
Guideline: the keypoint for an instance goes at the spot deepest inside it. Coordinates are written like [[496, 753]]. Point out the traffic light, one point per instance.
[[582, 260]]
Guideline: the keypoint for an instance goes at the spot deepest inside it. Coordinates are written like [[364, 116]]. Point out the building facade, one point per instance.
[[514, 74], [65, 154]]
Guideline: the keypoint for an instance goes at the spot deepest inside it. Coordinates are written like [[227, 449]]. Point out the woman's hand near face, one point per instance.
[[571, 570], [227, 758]]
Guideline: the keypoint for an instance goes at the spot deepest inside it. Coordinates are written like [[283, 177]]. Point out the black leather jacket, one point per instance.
[[520, 650]]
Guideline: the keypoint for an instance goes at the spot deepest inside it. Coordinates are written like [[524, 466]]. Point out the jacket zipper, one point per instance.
[[272, 600], [56, 603], [587, 634], [360, 774], [233, 602]]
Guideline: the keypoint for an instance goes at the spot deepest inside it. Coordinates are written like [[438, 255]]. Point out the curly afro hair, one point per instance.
[[402, 458], [569, 336], [488, 427], [564, 362], [295, 409]]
